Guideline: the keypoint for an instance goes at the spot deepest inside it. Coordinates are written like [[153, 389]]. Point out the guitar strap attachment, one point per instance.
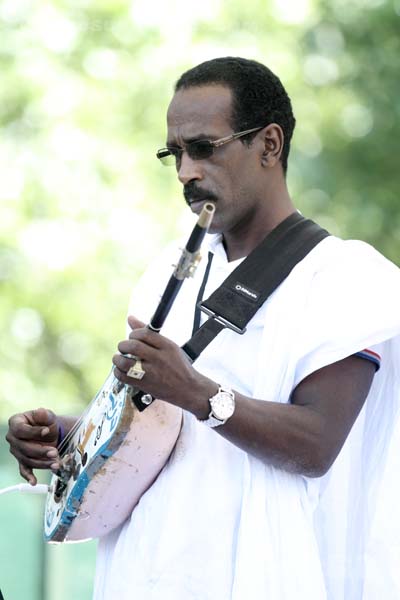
[[235, 302]]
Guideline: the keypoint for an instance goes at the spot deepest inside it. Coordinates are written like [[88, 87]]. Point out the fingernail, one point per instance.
[[45, 431], [54, 466], [52, 453]]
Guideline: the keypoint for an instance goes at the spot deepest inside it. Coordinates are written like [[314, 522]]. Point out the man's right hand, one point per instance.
[[33, 437]]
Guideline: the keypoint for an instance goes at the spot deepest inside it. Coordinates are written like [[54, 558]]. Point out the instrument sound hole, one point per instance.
[[84, 459]]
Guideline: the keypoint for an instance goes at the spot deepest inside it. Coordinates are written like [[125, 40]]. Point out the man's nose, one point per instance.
[[189, 169]]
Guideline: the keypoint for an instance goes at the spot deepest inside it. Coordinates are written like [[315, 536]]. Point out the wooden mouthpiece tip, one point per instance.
[[206, 215]]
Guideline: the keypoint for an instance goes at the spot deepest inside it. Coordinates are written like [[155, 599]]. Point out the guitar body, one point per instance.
[[116, 450], [111, 459]]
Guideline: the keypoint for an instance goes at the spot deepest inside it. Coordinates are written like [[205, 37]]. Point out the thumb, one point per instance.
[[42, 416], [134, 323], [46, 419]]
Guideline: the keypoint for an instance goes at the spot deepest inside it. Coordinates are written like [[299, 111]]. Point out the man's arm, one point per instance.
[[304, 436]]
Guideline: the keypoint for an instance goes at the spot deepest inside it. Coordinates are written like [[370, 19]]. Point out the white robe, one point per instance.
[[218, 524]]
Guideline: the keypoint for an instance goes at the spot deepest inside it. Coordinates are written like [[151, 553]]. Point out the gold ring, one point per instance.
[[136, 371]]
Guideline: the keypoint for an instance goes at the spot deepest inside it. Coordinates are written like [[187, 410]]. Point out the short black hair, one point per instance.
[[259, 97]]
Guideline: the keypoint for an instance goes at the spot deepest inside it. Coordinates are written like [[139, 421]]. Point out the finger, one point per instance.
[[27, 474], [38, 462], [24, 431], [134, 323], [31, 463], [125, 364], [32, 450], [122, 376], [136, 348], [147, 336], [49, 431], [41, 416]]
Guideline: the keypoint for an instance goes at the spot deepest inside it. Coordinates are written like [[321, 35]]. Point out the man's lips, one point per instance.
[[198, 200], [193, 199], [197, 205]]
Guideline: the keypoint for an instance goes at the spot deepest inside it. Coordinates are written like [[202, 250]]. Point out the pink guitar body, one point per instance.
[[111, 460]]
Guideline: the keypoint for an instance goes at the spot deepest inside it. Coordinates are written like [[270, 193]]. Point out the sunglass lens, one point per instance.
[[167, 157], [199, 150]]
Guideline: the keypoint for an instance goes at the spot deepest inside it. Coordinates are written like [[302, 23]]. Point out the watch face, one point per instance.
[[223, 405]]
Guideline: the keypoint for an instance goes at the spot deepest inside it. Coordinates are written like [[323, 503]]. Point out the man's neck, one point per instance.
[[240, 245]]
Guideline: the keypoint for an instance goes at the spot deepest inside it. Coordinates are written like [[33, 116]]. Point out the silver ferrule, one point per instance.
[[187, 264]]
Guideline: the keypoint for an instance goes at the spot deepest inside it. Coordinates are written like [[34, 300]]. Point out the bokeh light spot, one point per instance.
[[356, 120], [101, 63], [53, 29], [329, 39], [320, 70], [26, 327], [54, 244], [292, 11], [74, 348]]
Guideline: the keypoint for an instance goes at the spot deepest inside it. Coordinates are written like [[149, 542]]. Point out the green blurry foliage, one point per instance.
[[84, 204]]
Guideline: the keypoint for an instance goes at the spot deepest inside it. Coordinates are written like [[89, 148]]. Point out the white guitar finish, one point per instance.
[[136, 445]]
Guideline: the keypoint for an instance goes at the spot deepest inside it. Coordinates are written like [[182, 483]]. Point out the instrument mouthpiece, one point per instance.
[[206, 215]]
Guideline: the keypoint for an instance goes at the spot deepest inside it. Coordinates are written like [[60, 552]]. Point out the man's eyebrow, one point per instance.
[[189, 140]]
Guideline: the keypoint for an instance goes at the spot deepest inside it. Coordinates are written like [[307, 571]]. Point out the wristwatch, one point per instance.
[[222, 407]]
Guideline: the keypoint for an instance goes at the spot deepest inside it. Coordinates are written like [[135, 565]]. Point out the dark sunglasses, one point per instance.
[[199, 149]]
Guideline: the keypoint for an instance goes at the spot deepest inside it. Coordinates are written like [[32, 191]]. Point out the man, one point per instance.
[[245, 507]]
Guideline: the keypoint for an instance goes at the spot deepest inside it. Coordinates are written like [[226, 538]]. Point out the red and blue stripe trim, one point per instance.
[[370, 355]]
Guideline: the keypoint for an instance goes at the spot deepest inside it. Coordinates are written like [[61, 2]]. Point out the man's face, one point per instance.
[[230, 177]]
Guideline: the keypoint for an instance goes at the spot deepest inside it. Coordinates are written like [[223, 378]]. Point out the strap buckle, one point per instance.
[[227, 324]]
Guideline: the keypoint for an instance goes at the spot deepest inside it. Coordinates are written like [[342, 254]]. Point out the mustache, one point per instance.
[[192, 193]]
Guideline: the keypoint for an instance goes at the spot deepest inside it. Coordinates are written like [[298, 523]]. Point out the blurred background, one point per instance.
[[84, 204]]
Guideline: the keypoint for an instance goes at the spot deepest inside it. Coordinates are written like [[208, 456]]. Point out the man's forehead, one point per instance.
[[197, 109]]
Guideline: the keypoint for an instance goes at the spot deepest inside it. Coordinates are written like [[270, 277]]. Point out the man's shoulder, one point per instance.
[[345, 257], [354, 282]]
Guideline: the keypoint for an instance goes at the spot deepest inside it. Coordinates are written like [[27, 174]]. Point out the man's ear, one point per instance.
[[273, 145]]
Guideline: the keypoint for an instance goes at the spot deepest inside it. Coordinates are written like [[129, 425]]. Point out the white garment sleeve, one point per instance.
[[353, 304]]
